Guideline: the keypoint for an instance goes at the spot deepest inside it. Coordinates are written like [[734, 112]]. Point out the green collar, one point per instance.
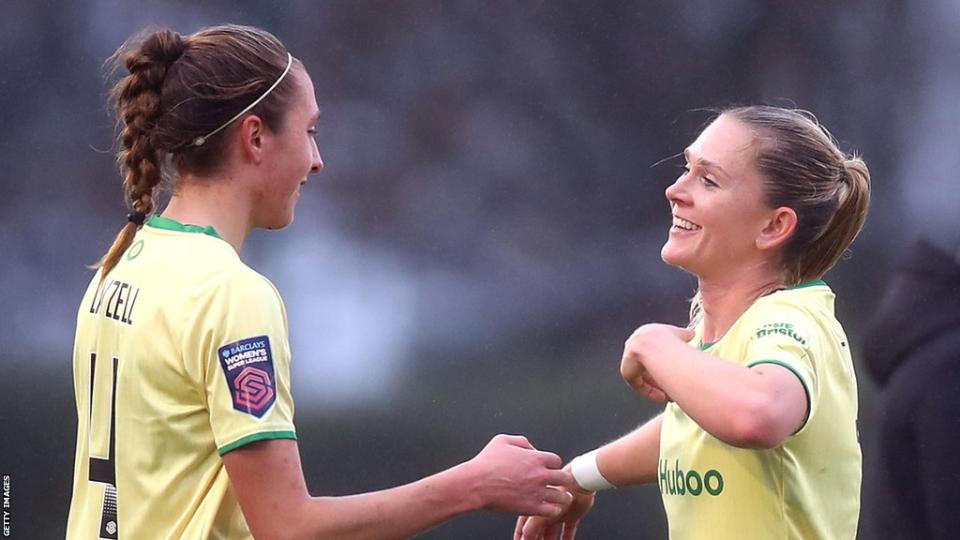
[[807, 284], [704, 346], [160, 222]]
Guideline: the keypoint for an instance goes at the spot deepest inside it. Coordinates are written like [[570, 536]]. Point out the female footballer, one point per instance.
[[182, 362], [758, 439]]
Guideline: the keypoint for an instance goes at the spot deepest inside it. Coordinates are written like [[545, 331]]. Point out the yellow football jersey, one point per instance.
[[181, 355], [808, 487]]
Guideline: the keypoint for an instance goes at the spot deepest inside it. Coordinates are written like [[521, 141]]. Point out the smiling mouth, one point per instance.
[[684, 225]]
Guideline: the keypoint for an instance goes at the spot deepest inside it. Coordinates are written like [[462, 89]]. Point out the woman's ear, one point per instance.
[[251, 138], [778, 230]]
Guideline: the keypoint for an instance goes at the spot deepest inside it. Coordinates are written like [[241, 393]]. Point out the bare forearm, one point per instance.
[[508, 475], [737, 405], [632, 459], [398, 512]]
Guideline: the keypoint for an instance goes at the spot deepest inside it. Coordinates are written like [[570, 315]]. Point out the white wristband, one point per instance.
[[587, 474]]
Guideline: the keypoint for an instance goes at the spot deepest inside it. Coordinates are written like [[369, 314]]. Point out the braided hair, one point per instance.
[[180, 88]]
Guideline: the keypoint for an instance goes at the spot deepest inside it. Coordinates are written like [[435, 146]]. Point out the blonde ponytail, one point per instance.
[[805, 170]]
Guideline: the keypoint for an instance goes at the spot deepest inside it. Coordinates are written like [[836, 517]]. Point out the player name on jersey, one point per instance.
[[121, 299]]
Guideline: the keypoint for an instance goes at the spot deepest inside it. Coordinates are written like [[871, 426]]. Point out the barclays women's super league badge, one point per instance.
[[248, 366]]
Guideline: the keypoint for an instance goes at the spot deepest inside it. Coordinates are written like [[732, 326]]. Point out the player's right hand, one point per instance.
[[647, 341], [512, 476]]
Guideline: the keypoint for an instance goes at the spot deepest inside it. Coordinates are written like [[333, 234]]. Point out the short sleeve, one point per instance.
[[238, 343], [784, 337]]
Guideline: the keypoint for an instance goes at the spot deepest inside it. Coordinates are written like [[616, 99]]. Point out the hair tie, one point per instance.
[[136, 217]]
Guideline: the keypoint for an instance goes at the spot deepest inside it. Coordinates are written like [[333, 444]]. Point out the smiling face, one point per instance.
[[290, 155], [720, 218]]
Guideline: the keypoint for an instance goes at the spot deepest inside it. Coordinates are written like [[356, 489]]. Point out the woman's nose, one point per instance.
[[674, 191], [317, 164]]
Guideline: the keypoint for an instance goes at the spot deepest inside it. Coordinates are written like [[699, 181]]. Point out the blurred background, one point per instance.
[[487, 230]]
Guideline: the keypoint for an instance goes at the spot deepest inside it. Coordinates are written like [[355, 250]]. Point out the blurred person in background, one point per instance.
[[181, 359], [759, 436], [912, 350]]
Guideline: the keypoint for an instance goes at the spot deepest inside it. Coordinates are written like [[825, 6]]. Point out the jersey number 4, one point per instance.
[[104, 470]]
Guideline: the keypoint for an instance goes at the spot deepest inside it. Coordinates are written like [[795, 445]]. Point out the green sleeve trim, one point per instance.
[[160, 222], [802, 383], [257, 437], [807, 284]]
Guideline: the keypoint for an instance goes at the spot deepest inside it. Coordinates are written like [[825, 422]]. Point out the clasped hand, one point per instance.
[[644, 347], [648, 344], [565, 524]]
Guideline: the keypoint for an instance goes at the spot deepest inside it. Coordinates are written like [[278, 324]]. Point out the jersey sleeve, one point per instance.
[[785, 335], [239, 346]]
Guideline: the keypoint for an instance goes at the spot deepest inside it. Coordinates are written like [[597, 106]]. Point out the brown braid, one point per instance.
[[181, 88], [137, 98]]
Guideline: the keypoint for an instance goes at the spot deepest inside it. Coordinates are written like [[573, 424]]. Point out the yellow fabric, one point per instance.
[[807, 488], [174, 300]]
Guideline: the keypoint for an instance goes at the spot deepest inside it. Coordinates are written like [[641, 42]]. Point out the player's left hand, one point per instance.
[[649, 341]]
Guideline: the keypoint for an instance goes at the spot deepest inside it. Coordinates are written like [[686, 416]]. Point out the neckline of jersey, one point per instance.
[[806, 284], [704, 346], [165, 223]]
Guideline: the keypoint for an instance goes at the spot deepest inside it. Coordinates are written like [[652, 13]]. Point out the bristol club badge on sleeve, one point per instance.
[[248, 366]]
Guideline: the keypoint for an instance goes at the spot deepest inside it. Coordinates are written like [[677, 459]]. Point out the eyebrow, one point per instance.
[[705, 162], [315, 117]]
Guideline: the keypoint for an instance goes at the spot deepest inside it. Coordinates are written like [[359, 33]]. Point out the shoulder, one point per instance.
[[243, 284], [804, 315], [228, 294], [239, 305], [805, 298], [812, 303], [773, 313]]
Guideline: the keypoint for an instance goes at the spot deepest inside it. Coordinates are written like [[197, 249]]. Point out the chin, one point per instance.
[[279, 223], [675, 259], [669, 255]]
